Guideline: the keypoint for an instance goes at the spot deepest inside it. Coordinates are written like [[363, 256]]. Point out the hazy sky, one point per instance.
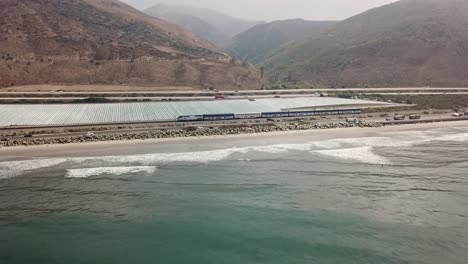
[[278, 9]]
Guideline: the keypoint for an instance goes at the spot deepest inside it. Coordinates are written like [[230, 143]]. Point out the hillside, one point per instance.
[[106, 42], [190, 22], [260, 42], [224, 24], [408, 43]]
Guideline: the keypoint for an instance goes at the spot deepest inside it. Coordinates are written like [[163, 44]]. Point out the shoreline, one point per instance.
[[197, 131], [149, 145]]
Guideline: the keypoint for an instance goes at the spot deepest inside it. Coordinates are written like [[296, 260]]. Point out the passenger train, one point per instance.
[[214, 117]]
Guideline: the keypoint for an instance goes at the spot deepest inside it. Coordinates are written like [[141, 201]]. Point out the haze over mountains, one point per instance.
[[408, 43], [260, 42], [107, 42], [214, 26], [190, 22]]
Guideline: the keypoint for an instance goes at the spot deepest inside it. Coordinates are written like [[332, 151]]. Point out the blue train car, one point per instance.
[[218, 117], [247, 116], [326, 112], [349, 111], [301, 113], [275, 114], [338, 112]]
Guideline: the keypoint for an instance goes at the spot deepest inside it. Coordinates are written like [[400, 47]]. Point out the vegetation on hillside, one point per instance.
[[407, 43], [260, 42]]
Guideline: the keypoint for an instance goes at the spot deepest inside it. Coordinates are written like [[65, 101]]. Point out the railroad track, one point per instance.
[[158, 122]]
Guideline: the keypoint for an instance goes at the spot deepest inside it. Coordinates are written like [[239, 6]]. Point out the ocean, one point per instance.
[[384, 196]]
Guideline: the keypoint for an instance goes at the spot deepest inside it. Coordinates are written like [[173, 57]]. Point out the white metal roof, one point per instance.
[[66, 114]]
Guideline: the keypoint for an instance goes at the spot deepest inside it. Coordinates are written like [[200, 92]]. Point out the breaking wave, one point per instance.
[[362, 149], [454, 137], [361, 154], [89, 172], [14, 168]]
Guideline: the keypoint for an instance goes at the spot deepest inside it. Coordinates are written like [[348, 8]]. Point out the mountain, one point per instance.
[[259, 42], [225, 24], [107, 42], [190, 22], [407, 43]]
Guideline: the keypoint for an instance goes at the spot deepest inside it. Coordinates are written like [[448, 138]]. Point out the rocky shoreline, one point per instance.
[[184, 133]]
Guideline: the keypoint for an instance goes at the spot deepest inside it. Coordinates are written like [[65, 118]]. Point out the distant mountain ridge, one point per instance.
[[258, 43], [107, 42], [185, 19], [407, 43], [214, 26]]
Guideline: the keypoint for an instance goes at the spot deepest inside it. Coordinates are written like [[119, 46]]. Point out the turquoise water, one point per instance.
[[386, 198]]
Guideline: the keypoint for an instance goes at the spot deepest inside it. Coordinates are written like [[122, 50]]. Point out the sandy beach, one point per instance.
[[168, 144]]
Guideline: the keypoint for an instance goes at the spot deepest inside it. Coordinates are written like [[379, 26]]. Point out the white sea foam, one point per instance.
[[31, 164], [89, 172], [344, 143], [326, 144], [202, 156], [361, 149], [277, 149], [453, 137], [5, 174], [14, 168], [361, 154], [373, 142], [195, 157]]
